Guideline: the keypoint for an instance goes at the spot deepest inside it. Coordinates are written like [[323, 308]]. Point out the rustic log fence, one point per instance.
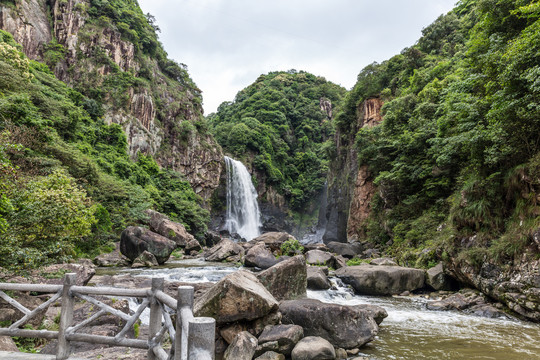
[[191, 339]]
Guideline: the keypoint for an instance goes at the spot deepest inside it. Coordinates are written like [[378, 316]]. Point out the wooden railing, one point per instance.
[[192, 338]]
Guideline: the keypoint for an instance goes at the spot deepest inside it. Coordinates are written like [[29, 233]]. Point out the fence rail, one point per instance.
[[192, 338]]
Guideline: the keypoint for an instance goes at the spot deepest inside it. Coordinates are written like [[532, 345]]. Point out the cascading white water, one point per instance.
[[243, 216]]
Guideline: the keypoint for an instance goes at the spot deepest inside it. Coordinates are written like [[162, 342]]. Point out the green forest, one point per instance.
[[277, 125], [456, 160]]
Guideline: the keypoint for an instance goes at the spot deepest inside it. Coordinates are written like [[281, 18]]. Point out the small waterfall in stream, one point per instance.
[[243, 216]]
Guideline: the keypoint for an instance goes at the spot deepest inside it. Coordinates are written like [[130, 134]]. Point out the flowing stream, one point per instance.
[[243, 215], [410, 331]]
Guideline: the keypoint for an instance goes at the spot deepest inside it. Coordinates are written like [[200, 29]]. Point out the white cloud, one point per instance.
[[228, 44]]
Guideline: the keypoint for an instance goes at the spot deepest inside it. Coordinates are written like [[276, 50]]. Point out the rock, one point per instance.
[[113, 259], [7, 344], [271, 355], [487, 311], [453, 302], [242, 348], [273, 240], [238, 296], [135, 240], [274, 318], [341, 354], [286, 336], [370, 253], [211, 238], [160, 223], [381, 280], [145, 260], [316, 279], [10, 314], [318, 257], [229, 332], [339, 262], [287, 279], [344, 326], [376, 312], [54, 274], [192, 246], [383, 262], [259, 256], [437, 279], [348, 250], [313, 348], [224, 250]]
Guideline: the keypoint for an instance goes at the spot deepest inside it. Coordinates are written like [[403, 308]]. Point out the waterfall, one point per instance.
[[243, 216]]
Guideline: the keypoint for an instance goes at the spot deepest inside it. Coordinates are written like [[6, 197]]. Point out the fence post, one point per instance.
[[201, 338], [155, 314], [185, 300], [66, 318]]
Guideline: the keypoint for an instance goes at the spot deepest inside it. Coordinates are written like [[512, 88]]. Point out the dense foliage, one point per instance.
[[456, 159], [277, 124], [67, 184]]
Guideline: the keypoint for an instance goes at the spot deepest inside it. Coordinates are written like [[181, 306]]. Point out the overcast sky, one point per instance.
[[227, 44]]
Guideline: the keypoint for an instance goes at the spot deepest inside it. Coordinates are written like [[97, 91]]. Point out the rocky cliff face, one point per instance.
[[350, 187], [95, 55]]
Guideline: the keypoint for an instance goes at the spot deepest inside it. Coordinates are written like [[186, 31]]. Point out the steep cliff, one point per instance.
[[350, 187], [109, 52]]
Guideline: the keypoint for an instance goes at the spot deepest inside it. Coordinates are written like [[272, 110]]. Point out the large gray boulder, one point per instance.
[[347, 327], [161, 224], [273, 239], [134, 240], [437, 279], [237, 297], [381, 280], [259, 256], [242, 347], [313, 348], [286, 336], [287, 279], [348, 250], [318, 257], [317, 279], [226, 250], [376, 312]]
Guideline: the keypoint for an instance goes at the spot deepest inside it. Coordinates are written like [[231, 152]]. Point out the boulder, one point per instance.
[[211, 238], [226, 249], [381, 280], [437, 279], [317, 279], [376, 312], [192, 246], [347, 327], [313, 348], [383, 262], [348, 250], [134, 240], [273, 240], [271, 355], [238, 296], [242, 348], [287, 336], [160, 223], [7, 344], [259, 256], [318, 257], [287, 279], [145, 260]]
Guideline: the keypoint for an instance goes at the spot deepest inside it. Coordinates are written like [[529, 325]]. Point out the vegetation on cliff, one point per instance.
[[282, 125], [68, 186], [457, 157]]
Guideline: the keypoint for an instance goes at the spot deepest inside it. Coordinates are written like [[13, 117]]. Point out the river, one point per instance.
[[410, 331]]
